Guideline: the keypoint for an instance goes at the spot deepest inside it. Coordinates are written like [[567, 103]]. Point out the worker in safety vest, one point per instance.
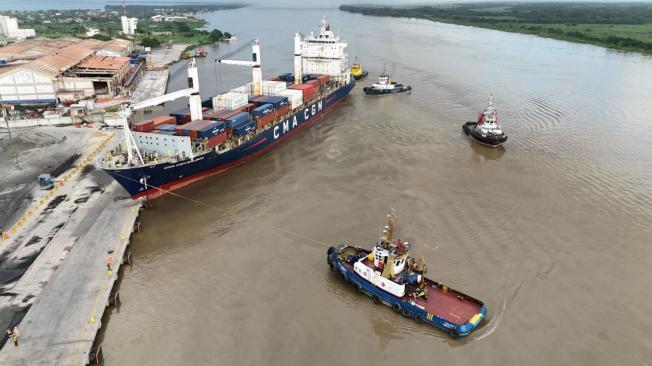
[[5, 236], [109, 260]]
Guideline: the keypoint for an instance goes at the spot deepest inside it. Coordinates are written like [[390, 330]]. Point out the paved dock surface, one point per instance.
[[60, 327]]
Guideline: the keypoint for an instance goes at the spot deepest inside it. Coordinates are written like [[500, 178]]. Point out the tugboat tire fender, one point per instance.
[[396, 307], [358, 286], [375, 299], [453, 333], [405, 312], [418, 318], [331, 266]]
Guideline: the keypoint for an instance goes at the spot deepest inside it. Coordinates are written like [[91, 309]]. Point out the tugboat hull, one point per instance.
[[488, 140], [361, 75], [449, 310], [371, 91]]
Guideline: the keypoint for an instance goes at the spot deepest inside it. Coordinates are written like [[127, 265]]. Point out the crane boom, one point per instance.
[[162, 99], [254, 63]]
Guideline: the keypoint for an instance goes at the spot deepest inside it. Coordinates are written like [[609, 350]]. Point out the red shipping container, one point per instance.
[[264, 120], [186, 116], [216, 140], [315, 83], [308, 90], [164, 120], [213, 112], [323, 79], [275, 78], [281, 111], [229, 115], [144, 126]]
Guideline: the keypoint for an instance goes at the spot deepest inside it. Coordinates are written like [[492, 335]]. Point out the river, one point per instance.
[[552, 232]]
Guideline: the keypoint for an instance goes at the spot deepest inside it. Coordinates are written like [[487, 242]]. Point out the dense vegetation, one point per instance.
[[150, 33], [625, 26]]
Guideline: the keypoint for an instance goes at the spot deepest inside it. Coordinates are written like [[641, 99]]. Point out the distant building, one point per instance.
[[45, 71], [129, 25], [90, 32], [158, 18], [9, 29]]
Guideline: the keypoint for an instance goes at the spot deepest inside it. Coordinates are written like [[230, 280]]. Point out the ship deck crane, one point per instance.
[[254, 63], [194, 100]]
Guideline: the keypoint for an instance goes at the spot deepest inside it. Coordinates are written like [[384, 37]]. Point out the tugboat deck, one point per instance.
[[447, 304]]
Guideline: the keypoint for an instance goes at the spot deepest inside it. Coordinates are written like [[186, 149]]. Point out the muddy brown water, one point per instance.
[[552, 231]]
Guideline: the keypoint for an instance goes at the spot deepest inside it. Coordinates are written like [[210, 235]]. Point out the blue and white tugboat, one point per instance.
[[389, 275], [486, 130], [385, 85]]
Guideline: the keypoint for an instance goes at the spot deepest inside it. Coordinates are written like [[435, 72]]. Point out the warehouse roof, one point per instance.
[[62, 60], [104, 62]]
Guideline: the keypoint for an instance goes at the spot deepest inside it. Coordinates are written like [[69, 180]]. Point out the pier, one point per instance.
[[67, 232]]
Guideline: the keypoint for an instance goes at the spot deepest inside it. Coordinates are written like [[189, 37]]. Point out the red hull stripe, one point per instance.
[[165, 188]]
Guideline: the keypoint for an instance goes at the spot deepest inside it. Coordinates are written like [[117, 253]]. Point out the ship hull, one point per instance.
[[492, 141], [156, 180], [371, 91]]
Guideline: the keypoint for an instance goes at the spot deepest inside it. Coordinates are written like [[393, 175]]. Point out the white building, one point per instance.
[[129, 25], [90, 32], [9, 29]]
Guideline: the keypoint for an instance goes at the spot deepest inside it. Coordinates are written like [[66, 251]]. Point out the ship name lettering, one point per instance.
[[294, 122], [313, 109], [276, 134], [306, 113], [286, 126]]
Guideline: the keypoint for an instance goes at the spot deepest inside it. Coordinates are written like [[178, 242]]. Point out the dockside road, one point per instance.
[[61, 325]]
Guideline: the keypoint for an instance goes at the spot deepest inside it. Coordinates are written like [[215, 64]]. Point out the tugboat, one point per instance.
[[357, 72], [487, 130], [386, 86], [390, 276]]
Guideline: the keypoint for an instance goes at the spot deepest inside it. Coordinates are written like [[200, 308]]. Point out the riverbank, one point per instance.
[[626, 26]]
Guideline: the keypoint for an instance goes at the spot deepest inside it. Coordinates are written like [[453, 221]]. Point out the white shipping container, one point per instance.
[[230, 100], [268, 87], [294, 96]]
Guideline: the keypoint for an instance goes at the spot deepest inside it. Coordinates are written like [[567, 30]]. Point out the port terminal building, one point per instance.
[[49, 71]]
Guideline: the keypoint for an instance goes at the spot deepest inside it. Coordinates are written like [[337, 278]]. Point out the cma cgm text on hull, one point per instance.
[[214, 135]]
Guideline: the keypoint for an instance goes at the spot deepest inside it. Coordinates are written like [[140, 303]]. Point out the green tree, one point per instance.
[[227, 35], [102, 37], [216, 35], [150, 42]]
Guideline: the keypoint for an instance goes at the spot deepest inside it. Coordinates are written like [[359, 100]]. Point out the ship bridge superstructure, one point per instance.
[[323, 53]]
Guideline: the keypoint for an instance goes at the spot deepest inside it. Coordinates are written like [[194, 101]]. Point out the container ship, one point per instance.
[[213, 135]]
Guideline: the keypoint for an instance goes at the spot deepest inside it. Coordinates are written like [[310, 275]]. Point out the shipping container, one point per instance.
[[246, 108], [295, 97], [240, 89], [209, 114], [276, 101], [257, 100], [314, 83], [264, 120], [163, 120], [323, 79], [281, 111], [143, 126], [215, 140], [166, 127], [207, 103], [268, 87], [237, 119], [262, 110], [183, 115], [244, 128], [230, 100], [212, 128], [307, 90], [286, 77]]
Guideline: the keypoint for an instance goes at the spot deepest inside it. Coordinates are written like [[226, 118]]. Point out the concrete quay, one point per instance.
[[54, 264]]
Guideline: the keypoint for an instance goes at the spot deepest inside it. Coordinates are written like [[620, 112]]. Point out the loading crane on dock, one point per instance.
[[254, 63], [194, 100]]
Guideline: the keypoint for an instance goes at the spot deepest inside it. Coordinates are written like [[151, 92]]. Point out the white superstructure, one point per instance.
[[488, 121], [321, 54]]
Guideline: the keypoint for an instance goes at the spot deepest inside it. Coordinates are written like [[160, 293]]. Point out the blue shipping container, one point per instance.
[[277, 102], [263, 110], [244, 128], [178, 115], [208, 103], [211, 130], [165, 127], [238, 119]]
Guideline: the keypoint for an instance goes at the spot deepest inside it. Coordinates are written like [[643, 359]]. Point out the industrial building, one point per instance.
[[129, 25], [46, 71]]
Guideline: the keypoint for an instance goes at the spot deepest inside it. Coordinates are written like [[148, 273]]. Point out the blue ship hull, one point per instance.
[[164, 177], [405, 307]]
